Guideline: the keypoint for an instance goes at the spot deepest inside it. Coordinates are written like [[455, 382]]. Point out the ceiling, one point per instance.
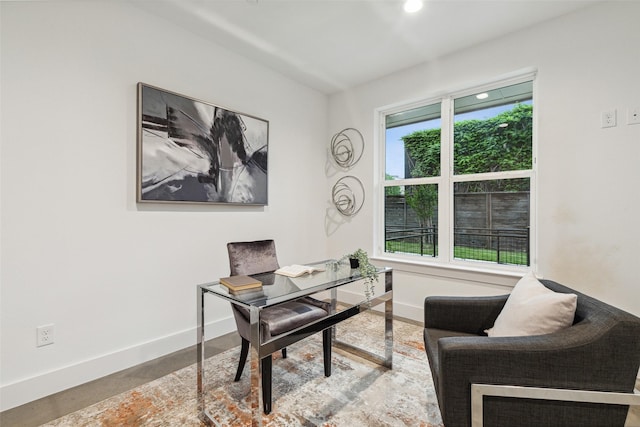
[[331, 45]]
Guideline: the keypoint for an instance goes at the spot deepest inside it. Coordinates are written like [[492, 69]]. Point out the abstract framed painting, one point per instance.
[[191, 151]]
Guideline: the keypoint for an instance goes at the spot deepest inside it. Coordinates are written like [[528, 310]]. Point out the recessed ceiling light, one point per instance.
[[412, 6], [482, 95]]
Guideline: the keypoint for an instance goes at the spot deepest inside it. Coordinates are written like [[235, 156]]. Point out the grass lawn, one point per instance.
[[461, 252]]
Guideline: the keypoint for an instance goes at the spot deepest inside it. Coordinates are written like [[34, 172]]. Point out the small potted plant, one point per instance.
[[360, 260]]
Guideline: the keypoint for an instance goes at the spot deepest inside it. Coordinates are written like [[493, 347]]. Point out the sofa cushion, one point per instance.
[[533, 309]]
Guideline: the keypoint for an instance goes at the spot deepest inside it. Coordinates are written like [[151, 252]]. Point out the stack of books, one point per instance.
[[245, 286]]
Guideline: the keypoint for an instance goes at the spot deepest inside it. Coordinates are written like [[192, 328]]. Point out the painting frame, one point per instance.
[[196, 152]]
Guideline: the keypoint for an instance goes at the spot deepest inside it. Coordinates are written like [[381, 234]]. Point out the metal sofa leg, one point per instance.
[[478, 391]]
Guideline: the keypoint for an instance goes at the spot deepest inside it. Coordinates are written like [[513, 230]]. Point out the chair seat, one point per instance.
[[285, 317]]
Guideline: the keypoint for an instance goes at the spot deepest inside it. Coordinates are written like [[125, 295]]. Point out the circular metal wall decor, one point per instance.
[[348, 195], [347, 147]]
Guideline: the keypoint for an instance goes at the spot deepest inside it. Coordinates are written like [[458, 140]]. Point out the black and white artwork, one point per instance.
[[195, 152]]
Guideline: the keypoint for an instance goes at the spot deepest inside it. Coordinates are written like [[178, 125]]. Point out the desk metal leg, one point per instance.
[[254, 361], [202, 411], [387, 298], [332, 309], [334, 300]]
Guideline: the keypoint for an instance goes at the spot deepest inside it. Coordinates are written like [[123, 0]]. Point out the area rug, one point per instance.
[[358, 393]]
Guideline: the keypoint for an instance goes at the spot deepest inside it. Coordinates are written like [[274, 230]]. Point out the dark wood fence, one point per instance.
[[497, 221]]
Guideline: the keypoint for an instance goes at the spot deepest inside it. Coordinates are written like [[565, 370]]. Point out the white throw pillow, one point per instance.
[[533, 309]]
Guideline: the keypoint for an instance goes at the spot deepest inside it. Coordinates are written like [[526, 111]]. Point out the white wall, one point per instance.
[[116, 278], [588, 200]]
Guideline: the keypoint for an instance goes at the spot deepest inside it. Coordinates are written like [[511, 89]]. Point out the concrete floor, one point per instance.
[[49, 408], [57, 405]]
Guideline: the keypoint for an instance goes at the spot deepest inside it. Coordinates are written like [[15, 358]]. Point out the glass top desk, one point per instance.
[[278, 289]]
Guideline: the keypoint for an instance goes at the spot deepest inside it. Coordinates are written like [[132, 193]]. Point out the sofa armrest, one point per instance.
[[462, 314]]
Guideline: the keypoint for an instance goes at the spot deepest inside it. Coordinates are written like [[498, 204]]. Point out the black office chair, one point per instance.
[[260, 257]]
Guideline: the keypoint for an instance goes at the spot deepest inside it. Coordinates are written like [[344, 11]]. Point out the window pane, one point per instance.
[[413, 143], [411, 222], [493, 130], [492, 221]]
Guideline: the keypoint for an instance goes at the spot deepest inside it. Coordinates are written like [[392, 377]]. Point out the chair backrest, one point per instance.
[[252, 257]]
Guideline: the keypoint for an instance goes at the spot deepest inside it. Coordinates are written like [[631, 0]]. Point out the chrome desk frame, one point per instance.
[[258, 350]]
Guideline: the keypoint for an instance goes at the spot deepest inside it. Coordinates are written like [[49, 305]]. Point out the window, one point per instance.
[[458, 176]]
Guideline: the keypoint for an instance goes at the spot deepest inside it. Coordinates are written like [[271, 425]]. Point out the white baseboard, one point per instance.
[[33, 388]]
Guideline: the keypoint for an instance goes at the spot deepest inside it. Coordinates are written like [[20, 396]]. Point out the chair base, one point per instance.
[[244, 352], [267, 364]]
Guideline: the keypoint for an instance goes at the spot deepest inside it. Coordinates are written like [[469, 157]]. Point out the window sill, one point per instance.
[[467, 273]]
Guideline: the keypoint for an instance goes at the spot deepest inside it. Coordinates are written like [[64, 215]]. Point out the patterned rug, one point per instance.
[[358, 393]]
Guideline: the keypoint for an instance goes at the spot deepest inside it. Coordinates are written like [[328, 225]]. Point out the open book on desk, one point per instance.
[[297, 270]]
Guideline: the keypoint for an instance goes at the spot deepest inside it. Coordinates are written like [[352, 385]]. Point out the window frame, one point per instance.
[[446, 180]]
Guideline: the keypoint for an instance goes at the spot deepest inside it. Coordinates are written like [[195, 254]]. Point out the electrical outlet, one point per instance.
[[608, 118], [44, 335], [633, 116]]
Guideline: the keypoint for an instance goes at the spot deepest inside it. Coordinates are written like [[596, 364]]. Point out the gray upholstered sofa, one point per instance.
[[600, 352]]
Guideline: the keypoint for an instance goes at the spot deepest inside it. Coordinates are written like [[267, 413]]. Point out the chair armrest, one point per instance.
[[462, 314]]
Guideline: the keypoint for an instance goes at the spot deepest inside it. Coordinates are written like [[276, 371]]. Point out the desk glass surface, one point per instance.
[[277, 288]]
